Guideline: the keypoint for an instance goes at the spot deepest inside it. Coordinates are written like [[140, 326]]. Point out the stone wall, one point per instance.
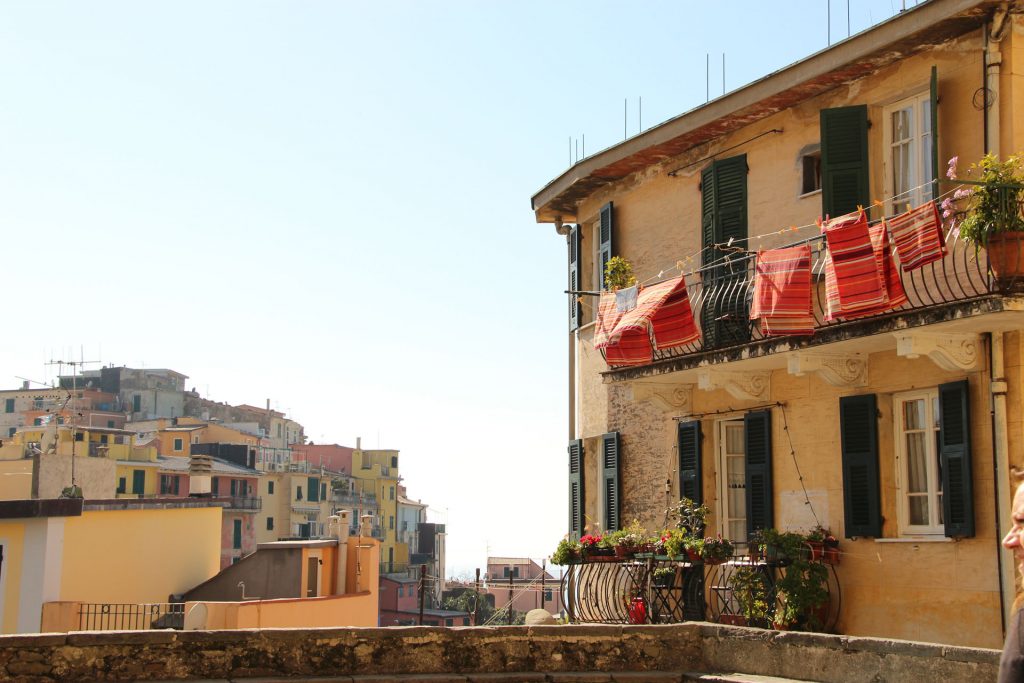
[[690, 647]]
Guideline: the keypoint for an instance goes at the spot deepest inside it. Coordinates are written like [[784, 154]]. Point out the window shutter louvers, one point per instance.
[[862, 505], [723, 217], [690, 480], [934, 112], [607, 238], [576, 494], [757, 434], [844, 160], [575, 310], [610, 472], [955, 459]]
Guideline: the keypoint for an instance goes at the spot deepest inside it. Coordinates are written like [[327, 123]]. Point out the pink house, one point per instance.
[[531, 586]]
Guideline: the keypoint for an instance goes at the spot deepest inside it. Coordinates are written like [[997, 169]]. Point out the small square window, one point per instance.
[[178, 444], [811, 167]]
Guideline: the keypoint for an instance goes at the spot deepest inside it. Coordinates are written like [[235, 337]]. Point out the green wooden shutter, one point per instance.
[[607, 237], [610, 471], [312, 489], [690, 480], [934, 112], [575, 310], [215, 485], [844, 160], [9, 405], [138, 481], [955, 458], [724, 317], [237, 535], [576, 499], [757, 435], [862, 503]]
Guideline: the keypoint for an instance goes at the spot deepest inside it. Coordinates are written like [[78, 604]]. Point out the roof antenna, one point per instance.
[[625, 118], [723, 73], [707, 77], [829, 31]]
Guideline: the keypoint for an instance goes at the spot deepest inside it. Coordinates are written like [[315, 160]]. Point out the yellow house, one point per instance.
[[100, 553], [297, 501], [376, 472], [896, 430]]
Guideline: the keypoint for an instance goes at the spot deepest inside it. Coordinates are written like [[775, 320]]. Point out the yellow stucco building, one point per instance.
[[895, 430], [375, 471]]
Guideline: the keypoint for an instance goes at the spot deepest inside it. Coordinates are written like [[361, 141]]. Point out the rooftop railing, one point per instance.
[[130, 617]]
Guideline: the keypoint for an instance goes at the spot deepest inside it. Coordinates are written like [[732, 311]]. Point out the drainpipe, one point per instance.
[[992, 60], [1001, 470]]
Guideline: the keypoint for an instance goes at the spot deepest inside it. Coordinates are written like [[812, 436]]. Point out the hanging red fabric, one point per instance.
[[857, 272], [782, 291], [918, 236], [662, 319]]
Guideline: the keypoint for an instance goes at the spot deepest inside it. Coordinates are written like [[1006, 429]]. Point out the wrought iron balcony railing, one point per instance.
[[659, 590], [720, 294], [130, 617]]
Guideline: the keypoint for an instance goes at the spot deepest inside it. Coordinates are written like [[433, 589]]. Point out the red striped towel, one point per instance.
[[918, 236], [662, 319], [857, 270], [782, 291], [895, 295]]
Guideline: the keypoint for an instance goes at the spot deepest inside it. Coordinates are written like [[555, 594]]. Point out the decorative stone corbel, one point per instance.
[[953, 352], [839, 370], [668, 398], [749, 386]]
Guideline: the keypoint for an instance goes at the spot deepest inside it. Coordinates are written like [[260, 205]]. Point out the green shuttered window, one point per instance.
[[610, 478], [576, 493], [723, 217], [858, 426], [607, 240], [690, 482], [575, 309], [955, 458], [757, 429], [844, 160]]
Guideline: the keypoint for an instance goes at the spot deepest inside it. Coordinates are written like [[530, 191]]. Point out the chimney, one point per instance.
[[366, 526], [200, 468], [24, 385], [339, 525]]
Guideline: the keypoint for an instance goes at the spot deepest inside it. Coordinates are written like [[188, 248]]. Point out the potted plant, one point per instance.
[[591, 546], [831, 555], [618, 274], [693, 547], [674, 542], [716, 550], [628, 540], [688, 516], [803, 597], [781, 547], [750, 590], [567, 552], [816, 542], [992, 218], [664, 577]]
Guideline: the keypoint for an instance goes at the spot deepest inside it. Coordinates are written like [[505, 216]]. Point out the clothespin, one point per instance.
[[729, 243], [877, 202], [680, 265], [660, 273]]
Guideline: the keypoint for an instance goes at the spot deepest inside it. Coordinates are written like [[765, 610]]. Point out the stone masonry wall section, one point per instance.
[[646, 456], [404, 651]]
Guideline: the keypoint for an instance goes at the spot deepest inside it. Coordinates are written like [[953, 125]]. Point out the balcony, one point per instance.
[[356, 500], [960, 286], [245, 503]]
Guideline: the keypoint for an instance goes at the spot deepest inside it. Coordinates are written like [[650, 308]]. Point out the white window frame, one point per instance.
[[721, 466], [921, 167], [937, 528]]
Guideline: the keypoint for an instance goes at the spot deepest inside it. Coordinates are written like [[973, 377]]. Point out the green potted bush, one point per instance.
[[628, 540], [716, 550], [992, 218], [664, 577], [751, 593], [803, 596], [618, 274], [567, 552]]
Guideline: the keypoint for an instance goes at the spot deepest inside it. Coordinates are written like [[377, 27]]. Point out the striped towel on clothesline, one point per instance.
[[662, 319], [918, 236], [858, 281], [782, 291]]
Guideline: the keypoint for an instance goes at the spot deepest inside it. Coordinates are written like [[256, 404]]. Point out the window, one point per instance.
[[138, 481], [110, 424], [178, 444], [236, 536], [313, 489], [391, 493], [215, 485], [39, 421], [323, 491], [11, 431], [394, 461], [723, 217], [270, 488], [448, 622], [412, 591], [908, 153], [918, 467], [9, 405], [270, 523], [548, 595], [298, 493], [136, 403], [234, 487], [122, 485], [733, 483], [401, 591], [391, 521], [810, 167], [103, 437]]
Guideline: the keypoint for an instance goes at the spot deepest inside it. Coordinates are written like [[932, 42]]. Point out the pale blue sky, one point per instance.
[[327, 204]]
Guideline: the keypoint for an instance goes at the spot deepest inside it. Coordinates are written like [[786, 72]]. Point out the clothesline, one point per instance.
[[681, 264]]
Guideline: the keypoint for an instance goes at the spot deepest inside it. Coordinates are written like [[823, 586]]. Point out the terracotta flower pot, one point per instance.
[[1006, 255]]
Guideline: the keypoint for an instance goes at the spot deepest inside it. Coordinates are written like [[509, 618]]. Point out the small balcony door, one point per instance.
[[732, 488]]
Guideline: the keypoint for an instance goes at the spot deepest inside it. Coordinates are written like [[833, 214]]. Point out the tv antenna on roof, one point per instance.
[[75, 365]]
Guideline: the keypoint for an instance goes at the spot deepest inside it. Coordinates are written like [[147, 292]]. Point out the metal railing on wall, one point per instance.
[[130, 617]]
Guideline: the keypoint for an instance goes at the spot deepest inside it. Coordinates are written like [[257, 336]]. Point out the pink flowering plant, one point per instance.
[[989, 205]]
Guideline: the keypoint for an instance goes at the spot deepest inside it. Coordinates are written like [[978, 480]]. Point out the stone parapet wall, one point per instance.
[[690, 647]]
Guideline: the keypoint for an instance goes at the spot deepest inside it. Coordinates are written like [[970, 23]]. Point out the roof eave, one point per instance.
[[906, 33]]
